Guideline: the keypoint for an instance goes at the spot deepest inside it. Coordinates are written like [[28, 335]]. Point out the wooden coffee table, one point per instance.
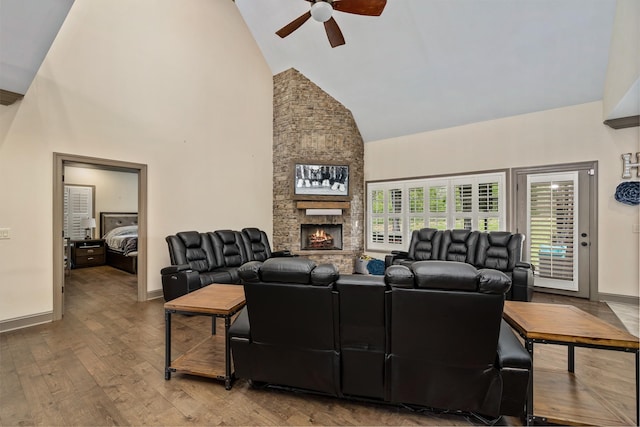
[[215, 300], [570, 326]]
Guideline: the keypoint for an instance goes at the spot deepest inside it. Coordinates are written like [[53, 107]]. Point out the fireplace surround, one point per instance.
[[312, 128]]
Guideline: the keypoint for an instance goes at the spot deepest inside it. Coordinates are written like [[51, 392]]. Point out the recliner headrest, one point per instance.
[[250, 271], [253, 233], [446, 275], [399, 276], [191, 239], [227, 236], [460, 235], [499, 238], [493, 281], [427, 233], [296, 270]]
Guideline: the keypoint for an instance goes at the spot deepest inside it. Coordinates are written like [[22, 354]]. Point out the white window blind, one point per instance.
[[395, 209], [551, 225], [78, 204]]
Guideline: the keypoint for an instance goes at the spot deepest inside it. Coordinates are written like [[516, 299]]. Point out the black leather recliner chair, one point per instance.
[[257, 245], [292, 313], [447, 333], [459, 245], [424, 245], [502, 251], [229, 250]]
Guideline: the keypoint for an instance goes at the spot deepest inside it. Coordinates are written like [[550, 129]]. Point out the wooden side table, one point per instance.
[[215, 300], [572, 327]]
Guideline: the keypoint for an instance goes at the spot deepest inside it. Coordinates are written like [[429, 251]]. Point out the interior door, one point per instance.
[[554, 212]]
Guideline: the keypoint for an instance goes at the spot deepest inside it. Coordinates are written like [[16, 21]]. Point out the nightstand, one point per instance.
[[87, 253]]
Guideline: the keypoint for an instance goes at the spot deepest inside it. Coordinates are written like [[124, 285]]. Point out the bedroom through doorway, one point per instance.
[[99, 215]]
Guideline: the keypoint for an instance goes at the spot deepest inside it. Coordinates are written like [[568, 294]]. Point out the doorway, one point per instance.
[[555, 208], [59, 162]]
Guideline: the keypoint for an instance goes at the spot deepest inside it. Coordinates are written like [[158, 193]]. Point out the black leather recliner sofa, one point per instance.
[[199, 259], [429, 335], [500, 250]]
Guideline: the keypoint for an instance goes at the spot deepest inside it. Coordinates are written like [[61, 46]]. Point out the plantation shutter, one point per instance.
[[552, 226], [394, 220], [78, 204]]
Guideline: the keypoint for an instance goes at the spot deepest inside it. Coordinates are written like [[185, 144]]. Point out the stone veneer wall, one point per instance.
[[309, 126]]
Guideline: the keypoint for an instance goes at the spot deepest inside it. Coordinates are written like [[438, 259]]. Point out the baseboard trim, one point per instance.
[[25, 321], [155, 294], [625, 299]]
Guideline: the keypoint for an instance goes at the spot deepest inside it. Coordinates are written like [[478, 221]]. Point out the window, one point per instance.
[[395, 209], [552, 230], [78, 204]]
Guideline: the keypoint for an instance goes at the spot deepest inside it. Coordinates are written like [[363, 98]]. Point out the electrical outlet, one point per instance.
[[4, 233]]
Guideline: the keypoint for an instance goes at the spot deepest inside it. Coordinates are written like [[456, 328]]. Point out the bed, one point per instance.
[[120, 233]]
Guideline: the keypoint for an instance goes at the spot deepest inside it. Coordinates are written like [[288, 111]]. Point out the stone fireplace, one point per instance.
[[311, 127], [320, 237]]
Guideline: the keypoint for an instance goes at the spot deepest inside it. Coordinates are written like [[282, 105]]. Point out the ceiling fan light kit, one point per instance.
[[322, 11]]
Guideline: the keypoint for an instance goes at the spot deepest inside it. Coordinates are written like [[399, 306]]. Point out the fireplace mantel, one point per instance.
[[308, 204]]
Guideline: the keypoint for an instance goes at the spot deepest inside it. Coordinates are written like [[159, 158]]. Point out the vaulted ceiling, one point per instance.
[[422, 65], [430, 64], [27, 30]]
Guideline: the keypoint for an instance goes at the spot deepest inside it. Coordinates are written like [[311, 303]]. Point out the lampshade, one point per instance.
[[88, 223], [321, 11]]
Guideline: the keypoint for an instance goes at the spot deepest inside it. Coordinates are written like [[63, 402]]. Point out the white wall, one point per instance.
[[564, 135], [180, 86], [115, 191]]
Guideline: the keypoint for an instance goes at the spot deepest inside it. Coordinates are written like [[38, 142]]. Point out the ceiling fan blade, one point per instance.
[[293, 25], [360, 7], [333, 32]]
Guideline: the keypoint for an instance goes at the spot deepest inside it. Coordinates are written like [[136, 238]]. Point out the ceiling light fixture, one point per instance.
[[321, 11]]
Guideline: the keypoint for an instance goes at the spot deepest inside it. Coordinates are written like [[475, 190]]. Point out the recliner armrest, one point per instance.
[[240, 328], [511, 352], [523, 264], [176, 284], [175, 269], [401, 253], [515, 367], [522, 282], [279, 254], [389, 259]]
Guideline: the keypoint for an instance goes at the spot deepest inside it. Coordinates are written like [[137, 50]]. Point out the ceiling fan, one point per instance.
[[321, 10]]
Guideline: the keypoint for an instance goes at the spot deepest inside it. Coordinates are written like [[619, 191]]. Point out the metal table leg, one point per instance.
[[227, 353], [637, 387], [529, 408], [571, 357], [167, 344]]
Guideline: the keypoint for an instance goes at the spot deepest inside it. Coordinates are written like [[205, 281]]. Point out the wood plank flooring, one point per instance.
[[103, 364]]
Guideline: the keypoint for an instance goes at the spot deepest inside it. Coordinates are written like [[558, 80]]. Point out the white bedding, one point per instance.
[[123, 239]]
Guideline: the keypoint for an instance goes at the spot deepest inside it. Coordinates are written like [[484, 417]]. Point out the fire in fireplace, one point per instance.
[[320, 237]]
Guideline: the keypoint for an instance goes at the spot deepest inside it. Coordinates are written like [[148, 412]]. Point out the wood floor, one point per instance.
[[103, 365]]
